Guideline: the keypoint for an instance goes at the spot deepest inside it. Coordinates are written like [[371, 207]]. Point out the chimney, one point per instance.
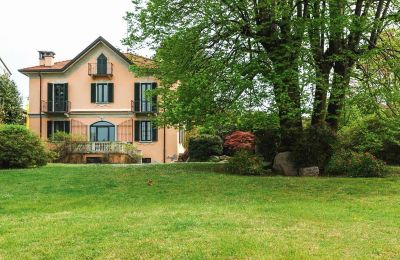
[[46, 58]]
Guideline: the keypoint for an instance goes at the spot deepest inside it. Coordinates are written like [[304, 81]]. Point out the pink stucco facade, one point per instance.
[[83, 112]]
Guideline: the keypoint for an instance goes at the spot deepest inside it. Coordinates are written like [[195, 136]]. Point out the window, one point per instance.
[[57, 126], [142, 102], [102, 65], [102, 92], [145, 104], [102, 131], [145, 131]]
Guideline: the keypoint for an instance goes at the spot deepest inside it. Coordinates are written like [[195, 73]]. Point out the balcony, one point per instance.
[[143, 107], [56, 107], [94, 70]]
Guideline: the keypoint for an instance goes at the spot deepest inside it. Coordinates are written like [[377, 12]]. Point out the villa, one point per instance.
[[96, 96]]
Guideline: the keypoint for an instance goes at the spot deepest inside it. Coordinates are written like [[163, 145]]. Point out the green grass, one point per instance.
[[192, 211]]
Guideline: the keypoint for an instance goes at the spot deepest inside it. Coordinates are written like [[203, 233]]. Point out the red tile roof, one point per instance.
[[57, 65], [61, 66]]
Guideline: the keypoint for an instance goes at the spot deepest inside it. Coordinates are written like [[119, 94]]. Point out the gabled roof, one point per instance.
[[5, 66], [62, 66]]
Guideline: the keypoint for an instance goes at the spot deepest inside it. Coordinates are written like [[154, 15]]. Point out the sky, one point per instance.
[[63, 26]]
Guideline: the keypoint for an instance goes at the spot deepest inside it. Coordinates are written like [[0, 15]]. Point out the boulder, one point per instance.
[[309, 171], [284, 164]]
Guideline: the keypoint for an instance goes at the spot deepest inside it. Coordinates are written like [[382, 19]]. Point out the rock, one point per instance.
[[224, 157], [309, 171], [214, 158], [284, 164], [223, 161]]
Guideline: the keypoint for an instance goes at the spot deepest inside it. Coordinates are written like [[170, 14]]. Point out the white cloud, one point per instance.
[[63, 26]]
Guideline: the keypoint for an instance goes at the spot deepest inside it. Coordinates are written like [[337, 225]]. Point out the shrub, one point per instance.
[[203, 146], [20, 148], [267, 143], [239, 140], [380, 137], [353, 164], [62, 145], [246, 163], [314, 147]]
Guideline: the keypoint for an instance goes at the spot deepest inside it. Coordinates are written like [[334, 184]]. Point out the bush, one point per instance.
[[267, 143], [20, 148], [246, 163], [314, 147], [239, 140], [353, 164], [203, 146], [380, 137], [62, 145]]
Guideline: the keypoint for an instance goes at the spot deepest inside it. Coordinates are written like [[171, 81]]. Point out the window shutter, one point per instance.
[[137, 97], [154, 97], [137, 131], [67, 127], [154, 132], [49, 97], [93, 93], [66, 97], [49, 129], [110, 92]]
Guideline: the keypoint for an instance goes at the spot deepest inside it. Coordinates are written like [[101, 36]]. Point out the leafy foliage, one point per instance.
[[378, 136], [239, 140], [314, 147], [10, 101], [62, 145], [20, 148], [203, 146], [246, 163], [352, 164]]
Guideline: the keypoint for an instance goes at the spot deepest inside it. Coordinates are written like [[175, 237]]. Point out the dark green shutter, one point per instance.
[[137, 97], [67, 127], [49, 97], [49, 129], [154, 97], [155, 132], [110, 92], [137, 131], [93, 93], [66, 97]]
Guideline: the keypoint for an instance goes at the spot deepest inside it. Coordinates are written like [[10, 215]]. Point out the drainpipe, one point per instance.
[[40, 103], [164, 150]]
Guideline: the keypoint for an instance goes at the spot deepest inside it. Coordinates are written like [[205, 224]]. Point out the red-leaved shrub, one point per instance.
[[239, 140]]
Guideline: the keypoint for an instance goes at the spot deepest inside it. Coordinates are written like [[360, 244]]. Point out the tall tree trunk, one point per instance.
[[320, 95], [340, 84], [287, 98]]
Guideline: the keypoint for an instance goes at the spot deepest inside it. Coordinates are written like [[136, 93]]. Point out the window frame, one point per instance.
[[105, 91], [146, 125]]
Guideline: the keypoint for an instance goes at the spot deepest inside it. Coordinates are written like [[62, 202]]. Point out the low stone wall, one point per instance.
[[98, 158]]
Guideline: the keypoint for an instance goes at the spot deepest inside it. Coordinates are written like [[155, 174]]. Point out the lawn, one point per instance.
[[194, 211]]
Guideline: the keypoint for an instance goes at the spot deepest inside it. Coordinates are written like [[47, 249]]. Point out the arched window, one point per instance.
[[102, 65], [102, 131]]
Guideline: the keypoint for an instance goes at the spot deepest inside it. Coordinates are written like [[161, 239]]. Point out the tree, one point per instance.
[[235, 55], [341, 32], [10, 101]]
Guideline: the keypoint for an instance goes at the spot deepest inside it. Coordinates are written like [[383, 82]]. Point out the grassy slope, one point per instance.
[[190, 211]]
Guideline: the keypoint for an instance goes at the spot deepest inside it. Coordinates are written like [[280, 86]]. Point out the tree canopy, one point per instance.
[[10, 101], [293, 58]]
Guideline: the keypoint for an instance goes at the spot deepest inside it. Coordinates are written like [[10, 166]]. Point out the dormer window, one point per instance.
[[102, 68], [102, 65]]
